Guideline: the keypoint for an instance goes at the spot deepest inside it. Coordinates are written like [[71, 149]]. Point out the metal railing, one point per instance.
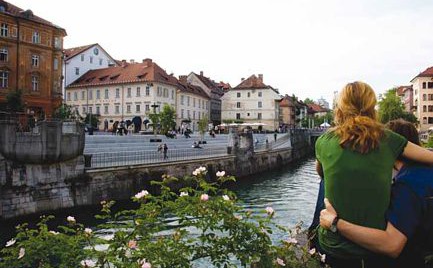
[[127, 158]]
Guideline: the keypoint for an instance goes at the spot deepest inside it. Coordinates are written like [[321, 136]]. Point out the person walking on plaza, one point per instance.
[[165, 149]]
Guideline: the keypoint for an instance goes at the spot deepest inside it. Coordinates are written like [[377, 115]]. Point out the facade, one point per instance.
[[79, 60], [288, 111], [423, 98], [406, 95], [252, 101], [123, 92], [192, 105], [30, 59], [214, 92]]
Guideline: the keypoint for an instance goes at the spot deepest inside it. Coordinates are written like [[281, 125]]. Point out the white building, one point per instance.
[[123, 92], [423, 98], [79, 60], [252, 101]]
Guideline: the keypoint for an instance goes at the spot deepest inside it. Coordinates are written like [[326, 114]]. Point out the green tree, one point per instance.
[[66, 112], [308, 101], [92, 119], [14, 101], [167, 118], [203, 126], [391, 108]]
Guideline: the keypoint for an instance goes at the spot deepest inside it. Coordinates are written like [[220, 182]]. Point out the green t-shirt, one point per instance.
[[358, 186]]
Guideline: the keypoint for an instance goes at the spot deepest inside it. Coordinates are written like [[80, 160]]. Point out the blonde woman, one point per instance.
[[355, 159]]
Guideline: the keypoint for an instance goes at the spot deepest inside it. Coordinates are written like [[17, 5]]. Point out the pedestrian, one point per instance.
[[165, 149], [275, 136], [105, 125]]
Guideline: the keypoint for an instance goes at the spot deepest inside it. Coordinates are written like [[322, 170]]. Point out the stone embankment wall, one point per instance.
[[22, 194]]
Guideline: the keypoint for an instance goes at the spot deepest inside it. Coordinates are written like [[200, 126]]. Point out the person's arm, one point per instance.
[[418, 154], [389, 242]]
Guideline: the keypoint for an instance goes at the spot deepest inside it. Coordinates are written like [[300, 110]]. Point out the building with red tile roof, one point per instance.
[[422, 85], [252, 101], [30, 59], [214, 92], [406, 95]]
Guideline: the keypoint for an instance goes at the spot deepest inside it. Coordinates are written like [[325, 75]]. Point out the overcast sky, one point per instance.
[[309, 48]]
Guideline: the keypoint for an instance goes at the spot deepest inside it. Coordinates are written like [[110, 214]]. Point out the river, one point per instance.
[[291, 191]]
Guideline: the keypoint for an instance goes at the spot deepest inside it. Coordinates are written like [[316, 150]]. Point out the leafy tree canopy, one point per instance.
[[391, 108], [167, 118]]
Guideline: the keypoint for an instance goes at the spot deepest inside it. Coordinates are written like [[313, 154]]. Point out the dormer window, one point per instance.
[[36, 38], [4, 30]]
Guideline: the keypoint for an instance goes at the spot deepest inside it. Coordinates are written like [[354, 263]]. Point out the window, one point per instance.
[[165, 93], [259, 116], [77, 71], [35, 83], [259, 93], [188, 114], [187, 100], [147, 91], [128, 92], [193, 114], [181, 113], [249, 94], [172, 94], [56, 63], [430, 120], [137, 108], [238, 116], [248, 114], [259, 104], [100, 61], [430, 97], [430, 108], [238, 94], [68, 96], [91, 59], [4, 30], [199, 104], [98, 94], [75, 96], [424, 85], [106, 93], [83, 95], [98, 110], [116, 109], [35, 60], [128, 108], [424, 108], [4, 79], [3, 54], [424, 97], [193, 102], [430, 85], [90, 109], [207, 105], [159, 91], [82, 57], [198, 115], [105, 109], [57, 43], [147, 107], [138, 93], [90, 94], [238, 105], [36, 39], [117, 93], [182, 100]]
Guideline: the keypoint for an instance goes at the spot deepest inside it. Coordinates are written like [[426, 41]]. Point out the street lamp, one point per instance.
[[154, 106]]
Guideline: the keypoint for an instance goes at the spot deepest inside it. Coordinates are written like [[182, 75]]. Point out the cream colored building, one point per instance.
[[423, 98], [123, 92], [192, 105], [252, 101]]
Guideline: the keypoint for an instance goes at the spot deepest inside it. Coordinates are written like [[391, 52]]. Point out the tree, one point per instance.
[[391, 108], [14, 101], [66, 112], [167, 118], [93, 120], [203, 126], [308, 101]]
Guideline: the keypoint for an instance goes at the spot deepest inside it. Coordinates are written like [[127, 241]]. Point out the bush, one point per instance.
[[201, 222]]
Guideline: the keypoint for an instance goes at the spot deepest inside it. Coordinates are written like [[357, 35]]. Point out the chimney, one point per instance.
[[147, 61], [261, 77], [201, 73], [132, 61], [123, 63]]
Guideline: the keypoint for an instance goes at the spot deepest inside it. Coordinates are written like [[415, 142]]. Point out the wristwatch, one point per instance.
[[333, 227]]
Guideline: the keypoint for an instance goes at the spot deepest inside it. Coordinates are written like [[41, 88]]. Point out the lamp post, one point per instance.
[[154, 106]]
